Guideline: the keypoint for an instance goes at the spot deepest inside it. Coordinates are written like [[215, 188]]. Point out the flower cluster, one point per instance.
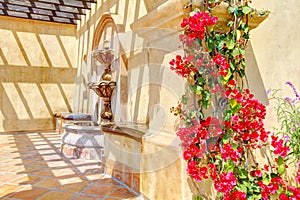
[[195, 26], [181, 66], [246, 120], [225, 182], [220, 61], [279, 145]]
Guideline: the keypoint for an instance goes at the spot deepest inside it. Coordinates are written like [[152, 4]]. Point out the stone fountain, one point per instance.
[[85, 139], [105, 87]]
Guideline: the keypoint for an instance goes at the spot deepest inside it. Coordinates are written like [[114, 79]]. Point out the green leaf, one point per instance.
[[243, 188], [238, 34], [241, 72], [243, 174], [246, 10], [193, 114], [280, 189], [184, 100], [210, 44], [265, 179], [273, 175], [280, 160], [230, 44], [230, 23], [201, 79], [228, 115], [233, 103], [231, 9], [236, 52], [243, 52], [227, 77], [198, 198], [225, 139], [256, 189], [229, 166], [281, 169]]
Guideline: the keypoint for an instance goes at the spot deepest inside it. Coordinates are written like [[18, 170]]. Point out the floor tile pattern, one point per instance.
[[32, 167]]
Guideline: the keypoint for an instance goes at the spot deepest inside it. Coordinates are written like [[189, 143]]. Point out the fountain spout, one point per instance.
[[105, 87]]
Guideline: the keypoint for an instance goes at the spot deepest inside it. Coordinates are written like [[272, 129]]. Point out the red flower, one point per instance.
[[283, 196], [225, 183], [229, 153], [279, 146], [181, 66], [236, 195], [257, 173], [195, 26]]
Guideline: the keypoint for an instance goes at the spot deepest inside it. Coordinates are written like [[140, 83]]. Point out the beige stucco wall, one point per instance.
[[152, 88], [37, 72], [276, 48]]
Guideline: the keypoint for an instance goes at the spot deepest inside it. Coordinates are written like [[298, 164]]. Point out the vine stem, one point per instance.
[[265, 152]]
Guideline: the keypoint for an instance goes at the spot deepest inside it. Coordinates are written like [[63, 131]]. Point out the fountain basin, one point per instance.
[[82, 141], [103, 88]]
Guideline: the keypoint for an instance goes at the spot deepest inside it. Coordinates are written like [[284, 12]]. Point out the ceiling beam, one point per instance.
[[62, 11]]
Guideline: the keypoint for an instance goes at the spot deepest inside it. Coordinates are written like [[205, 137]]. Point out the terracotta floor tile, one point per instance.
[[70, 180], [46, 151], [83, 197], [27, 179], [122, 193], [57, 164], [74, 187], [48, 183], [93, 177], [30, 194], [43, 172], [98, 189], [63, 172], [56, 195], [31, 167], [8, 189], [108, 181], [9, 177], [51, 157], [7, 168]]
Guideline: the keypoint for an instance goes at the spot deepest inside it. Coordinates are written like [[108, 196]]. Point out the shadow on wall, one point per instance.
[[37, 72]]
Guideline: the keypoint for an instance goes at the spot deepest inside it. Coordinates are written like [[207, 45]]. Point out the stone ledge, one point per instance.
[[167, 17]]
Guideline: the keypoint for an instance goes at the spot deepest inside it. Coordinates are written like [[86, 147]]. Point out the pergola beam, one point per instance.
[[62, 11]]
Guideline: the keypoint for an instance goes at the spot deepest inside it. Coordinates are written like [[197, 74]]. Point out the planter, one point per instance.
[[167, 16]]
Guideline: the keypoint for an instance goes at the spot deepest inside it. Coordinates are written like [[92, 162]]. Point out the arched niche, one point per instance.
[[108, 29]]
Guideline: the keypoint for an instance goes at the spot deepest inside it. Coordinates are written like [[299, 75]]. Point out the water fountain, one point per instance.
[[105, 87], [85, 139]]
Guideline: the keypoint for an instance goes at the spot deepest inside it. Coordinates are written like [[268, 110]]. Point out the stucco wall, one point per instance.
[[146, 85], [37, 72], [276, 48], [272, 59]]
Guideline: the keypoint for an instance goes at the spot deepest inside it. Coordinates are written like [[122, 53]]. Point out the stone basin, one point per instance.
[[82, 140], [103, 88]]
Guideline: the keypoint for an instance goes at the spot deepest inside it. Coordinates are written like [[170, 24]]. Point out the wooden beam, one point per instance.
[[63, 11]]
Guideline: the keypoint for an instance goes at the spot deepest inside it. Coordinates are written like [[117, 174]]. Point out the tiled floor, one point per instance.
[[31, 167]]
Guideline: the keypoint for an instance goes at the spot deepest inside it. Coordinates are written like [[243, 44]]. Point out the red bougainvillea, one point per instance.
[[218, 140]]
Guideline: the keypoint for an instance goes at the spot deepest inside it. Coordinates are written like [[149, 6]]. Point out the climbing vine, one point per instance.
[[222, 122]]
